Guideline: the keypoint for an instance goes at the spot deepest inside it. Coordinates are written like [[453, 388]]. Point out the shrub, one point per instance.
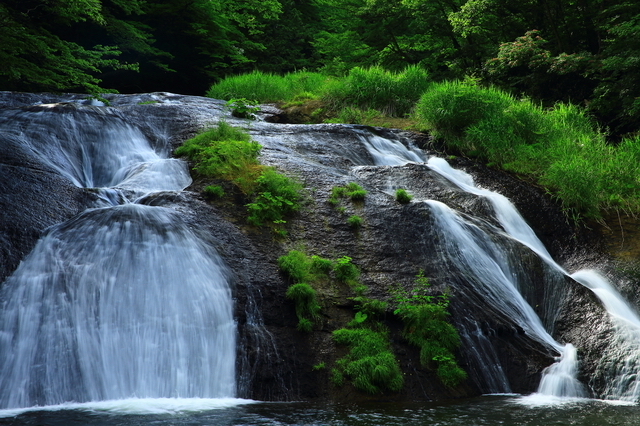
[[403, 197], [370, 364], [306, 306], [355, 221]]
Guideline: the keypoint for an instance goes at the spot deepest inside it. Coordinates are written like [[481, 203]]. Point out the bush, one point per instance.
[[370, 364], [403, 197]]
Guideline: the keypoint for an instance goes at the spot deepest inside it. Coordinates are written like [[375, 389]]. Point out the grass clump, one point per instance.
[[390, 93], [370, 364], [306, 305], [228, 153], [354, 221], [268, 87], [352, 191], [402, 196], [426, 326]]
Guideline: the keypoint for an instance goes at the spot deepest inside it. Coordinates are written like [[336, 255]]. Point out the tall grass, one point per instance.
[[391, 93], [561, 148], [267, 87]]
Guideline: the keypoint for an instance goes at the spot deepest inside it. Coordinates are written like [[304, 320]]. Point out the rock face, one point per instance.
[[500, 352]]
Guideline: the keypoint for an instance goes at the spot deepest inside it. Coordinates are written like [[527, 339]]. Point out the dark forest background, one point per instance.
[[586, 52]]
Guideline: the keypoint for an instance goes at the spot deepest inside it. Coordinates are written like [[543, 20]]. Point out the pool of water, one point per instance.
[[488, 410]]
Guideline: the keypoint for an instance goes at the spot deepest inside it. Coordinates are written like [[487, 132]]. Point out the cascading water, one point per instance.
[[121, 301], [621, 366], [469, 251]]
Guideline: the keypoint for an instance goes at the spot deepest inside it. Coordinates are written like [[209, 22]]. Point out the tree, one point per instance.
[[33, 55]]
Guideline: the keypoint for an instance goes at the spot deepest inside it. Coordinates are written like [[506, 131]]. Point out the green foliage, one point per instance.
[[319, 366], [402, 196], [213, 191], [276, 197], [297, 265], [355, 221], [560, 147], [426, 326], [370, 364], [344, 270], [243, 108], [306, 305], [225, 152], [268, 87], [375, 88]]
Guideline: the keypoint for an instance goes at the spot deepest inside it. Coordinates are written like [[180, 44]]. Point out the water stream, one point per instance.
[[124, 309], [122, 301]]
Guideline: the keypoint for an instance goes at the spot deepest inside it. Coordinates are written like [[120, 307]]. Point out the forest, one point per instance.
[[586, 52]]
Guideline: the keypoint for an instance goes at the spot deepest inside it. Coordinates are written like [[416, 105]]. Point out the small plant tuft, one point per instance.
[[403, 197], [355, 221], [243, 108], [307, 308], [213, 191]]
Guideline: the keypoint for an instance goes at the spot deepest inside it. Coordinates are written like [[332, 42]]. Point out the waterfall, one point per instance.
[[119, 302], [620, 364], [469, 251]]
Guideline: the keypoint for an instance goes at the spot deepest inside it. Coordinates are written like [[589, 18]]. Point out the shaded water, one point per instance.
[[484, 411]]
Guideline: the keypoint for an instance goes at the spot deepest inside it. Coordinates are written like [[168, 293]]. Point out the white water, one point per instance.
[[478, 258], [621, 368], [620, 365], [120, 302]]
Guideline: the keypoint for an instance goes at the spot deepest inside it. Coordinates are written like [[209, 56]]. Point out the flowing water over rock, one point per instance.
[[119, 301], [137, 290]]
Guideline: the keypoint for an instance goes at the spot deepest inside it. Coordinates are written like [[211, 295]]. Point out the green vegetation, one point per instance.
[[352, 191], [228, 153], [402, 196], [355, 221], [307, 308], [243, 108], [370, 363], [561, 148], [426, 326], [268, 87], [213, 191]]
